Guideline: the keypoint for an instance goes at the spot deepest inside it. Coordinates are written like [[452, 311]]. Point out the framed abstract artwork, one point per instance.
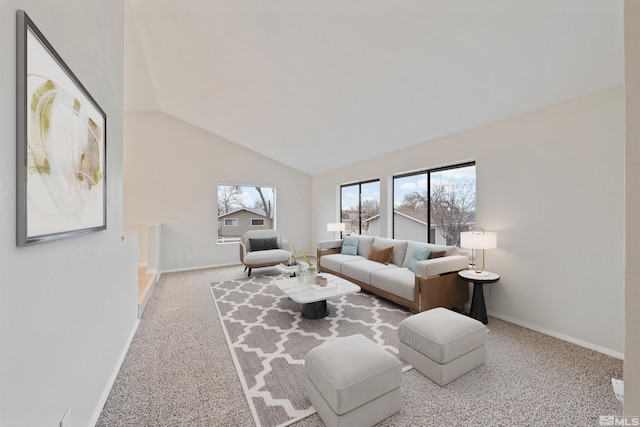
[[61, 145]]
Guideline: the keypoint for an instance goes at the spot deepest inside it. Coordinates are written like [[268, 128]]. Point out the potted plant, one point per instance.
[[311, 272]]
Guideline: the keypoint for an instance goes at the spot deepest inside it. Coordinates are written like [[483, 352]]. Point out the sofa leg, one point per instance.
[[249, 274]]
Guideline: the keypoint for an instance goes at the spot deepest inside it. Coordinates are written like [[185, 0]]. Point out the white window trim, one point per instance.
[[231, 219]]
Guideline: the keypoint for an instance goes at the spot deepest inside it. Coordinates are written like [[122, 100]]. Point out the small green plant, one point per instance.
[[306, 258]]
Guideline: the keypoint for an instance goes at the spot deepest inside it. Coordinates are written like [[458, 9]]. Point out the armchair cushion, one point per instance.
[[265, 258], [263, 244]]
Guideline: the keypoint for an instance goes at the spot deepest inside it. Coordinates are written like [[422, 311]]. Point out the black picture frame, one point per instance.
[[61, 145]]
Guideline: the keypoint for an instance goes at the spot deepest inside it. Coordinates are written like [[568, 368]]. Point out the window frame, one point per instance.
[[235, 197], [428, 173], [231, 219], [359, 184], [251, 220]]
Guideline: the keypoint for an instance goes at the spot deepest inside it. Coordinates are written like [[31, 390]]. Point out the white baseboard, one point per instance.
[[114, 374], [201, 267], [563, 337]]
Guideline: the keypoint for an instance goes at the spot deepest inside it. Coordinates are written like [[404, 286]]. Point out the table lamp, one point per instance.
[[478, 240], [336, 227]]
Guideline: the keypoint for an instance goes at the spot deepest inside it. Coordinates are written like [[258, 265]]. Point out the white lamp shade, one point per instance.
[[478, 240], [335, 226]]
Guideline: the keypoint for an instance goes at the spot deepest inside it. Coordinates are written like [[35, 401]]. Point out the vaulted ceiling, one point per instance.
[[294, 78]]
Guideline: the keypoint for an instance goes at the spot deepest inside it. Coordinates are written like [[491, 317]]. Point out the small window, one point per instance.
[[252, 208], [257, 222]]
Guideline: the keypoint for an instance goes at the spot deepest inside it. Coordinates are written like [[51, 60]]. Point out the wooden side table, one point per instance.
[[478, 308]]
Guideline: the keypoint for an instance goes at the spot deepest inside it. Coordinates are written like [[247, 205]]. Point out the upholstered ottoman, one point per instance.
[[442, 344], [353, 382]]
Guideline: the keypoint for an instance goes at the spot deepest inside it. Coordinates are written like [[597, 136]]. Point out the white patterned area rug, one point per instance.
[[269, 340]]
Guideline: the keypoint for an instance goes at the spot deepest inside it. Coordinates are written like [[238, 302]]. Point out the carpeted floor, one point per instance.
[[179, 371], [270, 340]]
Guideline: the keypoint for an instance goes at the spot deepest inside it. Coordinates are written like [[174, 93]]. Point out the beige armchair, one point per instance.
[[263, 248]]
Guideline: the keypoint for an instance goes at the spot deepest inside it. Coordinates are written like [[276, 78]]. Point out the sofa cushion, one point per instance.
[[334, 262], [397, 281], [399, 248], [381, 255], [366, 242], [420, 254], [264, 244], [350, 245], [361, 270]]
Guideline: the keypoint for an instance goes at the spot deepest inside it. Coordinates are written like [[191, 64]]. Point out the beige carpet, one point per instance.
[[179, 371]]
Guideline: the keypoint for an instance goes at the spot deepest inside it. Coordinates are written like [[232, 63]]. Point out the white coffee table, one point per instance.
[[314, 297]]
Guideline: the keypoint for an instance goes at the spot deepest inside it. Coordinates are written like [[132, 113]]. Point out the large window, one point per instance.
[[360, 208], [435, 205], [242, 208]]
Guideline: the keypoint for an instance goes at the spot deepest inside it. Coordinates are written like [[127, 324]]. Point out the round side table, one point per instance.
[[478, 308]]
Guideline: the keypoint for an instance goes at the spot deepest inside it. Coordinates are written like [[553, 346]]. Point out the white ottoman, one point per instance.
[[353, 382], [442, 344]]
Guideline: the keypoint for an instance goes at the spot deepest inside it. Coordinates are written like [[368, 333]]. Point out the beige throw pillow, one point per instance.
[[382, 255], [437, 254]]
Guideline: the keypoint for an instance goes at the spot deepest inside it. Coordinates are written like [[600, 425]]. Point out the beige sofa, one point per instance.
[[433, 283]]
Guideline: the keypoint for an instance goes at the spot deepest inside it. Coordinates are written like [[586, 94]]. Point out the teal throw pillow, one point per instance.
[[420, 254], [350, 245]]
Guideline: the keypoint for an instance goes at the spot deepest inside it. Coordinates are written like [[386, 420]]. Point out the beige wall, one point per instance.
[[68, 308], [172, 171], [551, 184], [632, 167]]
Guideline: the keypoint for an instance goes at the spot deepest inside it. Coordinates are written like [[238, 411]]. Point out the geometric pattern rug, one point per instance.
[[269, 339]]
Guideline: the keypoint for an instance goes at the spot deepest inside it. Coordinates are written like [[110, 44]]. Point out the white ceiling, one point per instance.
[[346, 80]]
